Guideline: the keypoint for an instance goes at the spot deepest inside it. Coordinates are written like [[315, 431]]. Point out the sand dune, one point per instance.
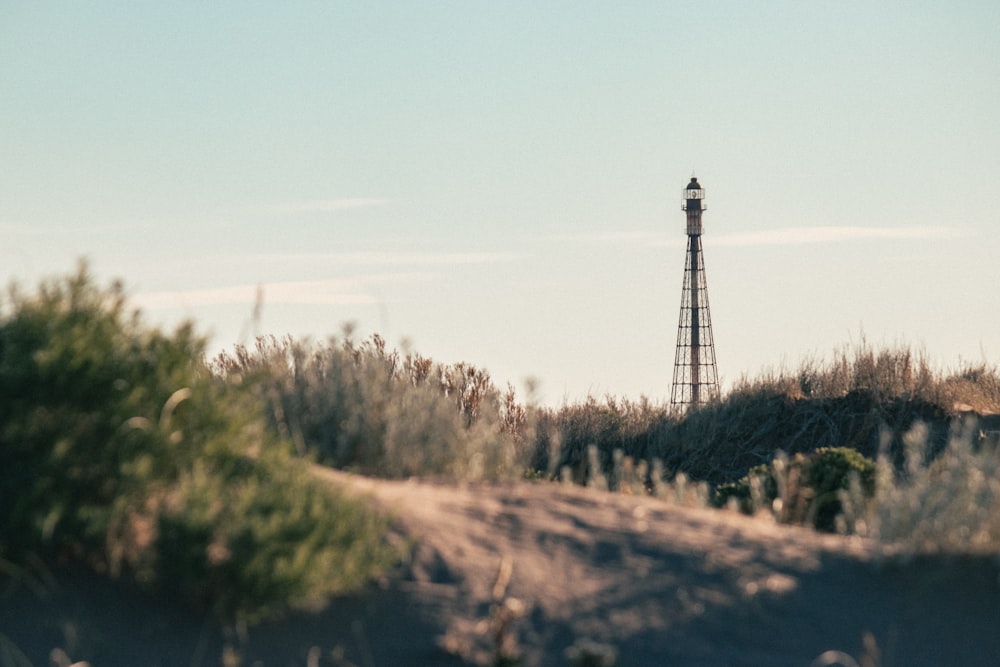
[[661, 585]]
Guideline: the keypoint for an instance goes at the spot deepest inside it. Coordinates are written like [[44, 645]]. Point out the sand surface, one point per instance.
[[660, 584]]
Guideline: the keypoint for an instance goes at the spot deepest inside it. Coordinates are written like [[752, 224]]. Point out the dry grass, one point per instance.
[[364, 407], [934, 435], [849, 401], [948, 504]]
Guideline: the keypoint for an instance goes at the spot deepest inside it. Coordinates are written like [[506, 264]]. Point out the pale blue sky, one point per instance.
[[500, 182]]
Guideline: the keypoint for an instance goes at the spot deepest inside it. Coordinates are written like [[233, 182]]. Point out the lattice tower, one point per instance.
[[696, 376]]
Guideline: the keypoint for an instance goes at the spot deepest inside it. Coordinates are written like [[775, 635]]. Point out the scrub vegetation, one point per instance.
[[123, 449], [368, 409]]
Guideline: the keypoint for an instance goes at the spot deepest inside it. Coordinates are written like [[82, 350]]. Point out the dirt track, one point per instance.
[[663, 585]]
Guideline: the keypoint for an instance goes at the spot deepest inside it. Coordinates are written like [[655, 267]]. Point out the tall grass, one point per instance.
[[799, 445], [366, 408], [639, 429], [946, 504], [848, 401]]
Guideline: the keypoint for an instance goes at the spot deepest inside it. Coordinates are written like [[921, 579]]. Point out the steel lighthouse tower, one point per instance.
[[696, 377]]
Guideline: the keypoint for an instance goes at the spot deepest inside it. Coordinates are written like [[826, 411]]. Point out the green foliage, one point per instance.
[[365, 408], [805, 489], [747, 493], [119, 447], [253, 545], [84, 397]]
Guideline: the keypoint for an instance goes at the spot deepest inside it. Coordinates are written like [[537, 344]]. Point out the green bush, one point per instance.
[[749, 493], [119, 448], [270, 539], [84, 412], [805, 489]]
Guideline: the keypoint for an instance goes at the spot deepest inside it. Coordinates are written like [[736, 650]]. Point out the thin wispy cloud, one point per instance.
[[814, 235], [771, 237], [623, 237], [332, 292], [322, 206], [41, 230], [386, 258]]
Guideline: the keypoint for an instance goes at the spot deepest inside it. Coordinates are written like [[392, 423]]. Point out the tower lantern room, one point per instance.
[[693, 196]]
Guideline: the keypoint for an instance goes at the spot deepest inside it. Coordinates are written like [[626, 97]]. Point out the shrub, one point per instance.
[[754, 491], [270, 539], [85, 412], [804, 489], [368, 409], [638, 429], [950, 504], [118, 447]]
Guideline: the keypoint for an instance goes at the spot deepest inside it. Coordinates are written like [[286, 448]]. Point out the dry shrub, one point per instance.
[[366, 408], [946, 504]]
